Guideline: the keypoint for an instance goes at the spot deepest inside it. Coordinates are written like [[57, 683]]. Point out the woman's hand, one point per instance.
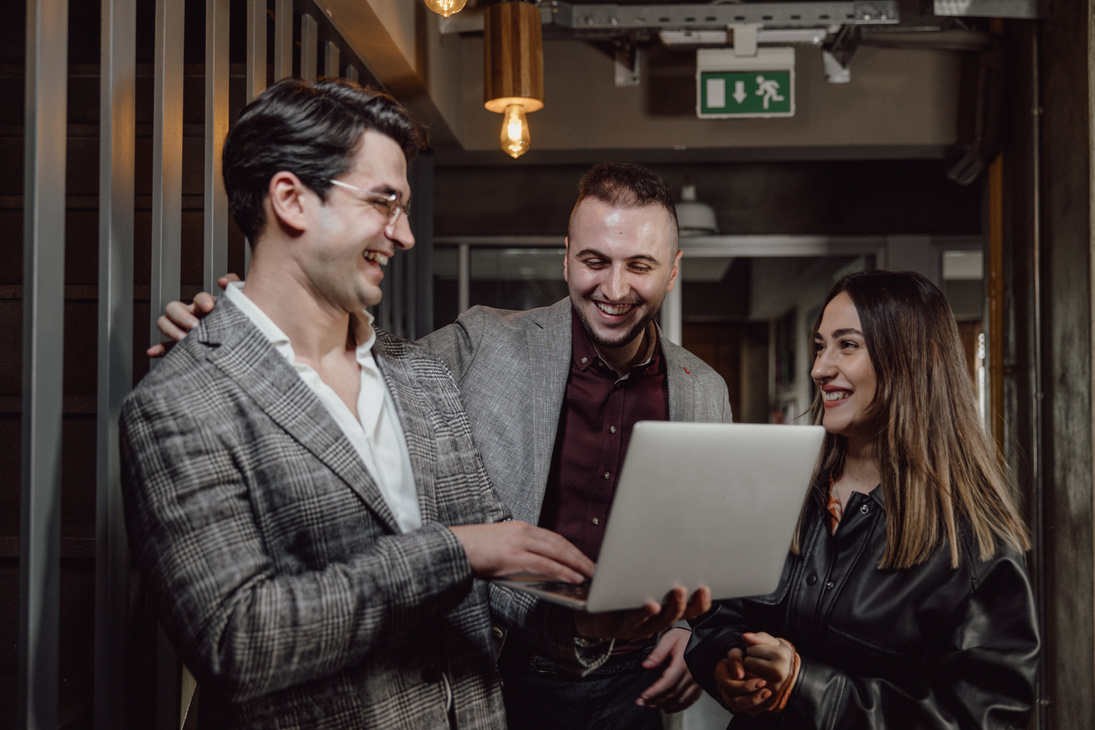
[[760, 678], [739, 692]]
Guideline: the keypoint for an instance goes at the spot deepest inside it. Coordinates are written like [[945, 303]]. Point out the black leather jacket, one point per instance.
[[926, 647]]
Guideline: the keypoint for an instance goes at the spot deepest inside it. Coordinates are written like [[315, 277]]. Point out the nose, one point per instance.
[[616, 286], [823, 364], [400, 233]]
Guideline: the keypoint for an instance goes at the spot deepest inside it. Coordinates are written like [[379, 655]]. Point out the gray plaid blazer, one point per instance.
[[512, 369], [275, 564]]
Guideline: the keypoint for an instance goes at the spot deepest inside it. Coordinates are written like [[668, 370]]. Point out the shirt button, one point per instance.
[[596, 520], [606, 475], [612, 429], [811, 579], [829, 585], [585, 360], [497, 632], [865, 510]]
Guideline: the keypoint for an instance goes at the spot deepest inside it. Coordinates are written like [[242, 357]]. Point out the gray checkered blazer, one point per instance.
[[275, 564]]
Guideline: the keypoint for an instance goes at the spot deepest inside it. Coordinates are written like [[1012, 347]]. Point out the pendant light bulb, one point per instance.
[[445, 8], [515, 136]]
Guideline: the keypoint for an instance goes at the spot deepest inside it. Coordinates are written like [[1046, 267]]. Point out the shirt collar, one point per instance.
[[362, 323]]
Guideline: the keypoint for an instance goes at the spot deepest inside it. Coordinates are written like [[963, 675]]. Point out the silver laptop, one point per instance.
[[697, 504]]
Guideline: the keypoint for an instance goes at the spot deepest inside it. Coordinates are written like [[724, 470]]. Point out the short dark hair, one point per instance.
[[626, 185], [310, 130]]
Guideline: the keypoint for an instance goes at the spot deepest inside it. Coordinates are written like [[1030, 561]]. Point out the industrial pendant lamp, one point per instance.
[[694, 218], [513, 70], [445, 8]]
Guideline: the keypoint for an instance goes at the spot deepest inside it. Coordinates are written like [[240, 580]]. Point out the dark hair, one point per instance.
[[939, 469], [626, 185], [310, 130]]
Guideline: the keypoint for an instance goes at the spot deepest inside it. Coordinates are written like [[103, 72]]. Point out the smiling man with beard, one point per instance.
[[551, 396], [620, 263]]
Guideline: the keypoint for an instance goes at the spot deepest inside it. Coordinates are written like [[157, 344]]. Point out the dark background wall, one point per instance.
[[835, 197]]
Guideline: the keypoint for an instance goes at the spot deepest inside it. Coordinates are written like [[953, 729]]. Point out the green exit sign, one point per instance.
[[757, 84], [760, 93]]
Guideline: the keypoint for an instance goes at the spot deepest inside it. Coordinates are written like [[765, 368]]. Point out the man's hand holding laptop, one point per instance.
[[528, 549], [647, 620], [501, 548]]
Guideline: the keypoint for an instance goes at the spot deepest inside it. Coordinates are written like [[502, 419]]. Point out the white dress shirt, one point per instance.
[[375, 434]]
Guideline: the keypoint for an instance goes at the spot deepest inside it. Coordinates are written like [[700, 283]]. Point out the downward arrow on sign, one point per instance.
[[739, 91]]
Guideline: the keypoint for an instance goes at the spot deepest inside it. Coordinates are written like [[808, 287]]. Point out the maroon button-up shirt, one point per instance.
[[594, 429]]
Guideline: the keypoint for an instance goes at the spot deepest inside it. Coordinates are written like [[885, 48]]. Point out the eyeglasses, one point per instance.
[[388, 200]]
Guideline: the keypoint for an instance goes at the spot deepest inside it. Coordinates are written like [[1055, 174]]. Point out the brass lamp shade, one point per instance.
[[513, 57]]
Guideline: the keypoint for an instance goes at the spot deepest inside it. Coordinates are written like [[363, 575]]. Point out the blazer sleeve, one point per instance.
[[255, 621], [717, 388], [456, 344], [696, 391], [545, 625], [725, 414]]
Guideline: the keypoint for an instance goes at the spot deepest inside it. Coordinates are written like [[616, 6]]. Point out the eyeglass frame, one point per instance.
[[390, 200]]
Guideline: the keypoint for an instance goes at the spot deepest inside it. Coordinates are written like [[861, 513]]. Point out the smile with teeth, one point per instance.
[[614, 309], [835, 395], [377, 257]]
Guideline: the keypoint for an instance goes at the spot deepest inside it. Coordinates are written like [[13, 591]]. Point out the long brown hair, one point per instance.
[[939, 470]]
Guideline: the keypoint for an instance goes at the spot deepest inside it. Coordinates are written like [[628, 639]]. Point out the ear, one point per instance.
[[676, 270], [286, 199], [566, 255]]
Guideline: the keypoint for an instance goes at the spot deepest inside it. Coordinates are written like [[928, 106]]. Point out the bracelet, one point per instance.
[[784, 695]]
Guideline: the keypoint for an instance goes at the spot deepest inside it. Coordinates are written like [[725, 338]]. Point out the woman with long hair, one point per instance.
[[905, 601]]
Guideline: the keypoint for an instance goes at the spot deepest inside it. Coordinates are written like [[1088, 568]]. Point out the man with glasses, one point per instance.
[[303, 497], [551, 395]]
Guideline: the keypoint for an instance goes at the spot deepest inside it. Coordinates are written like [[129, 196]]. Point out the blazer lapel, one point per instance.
[[243, 354], [549, 347], [390, 354]]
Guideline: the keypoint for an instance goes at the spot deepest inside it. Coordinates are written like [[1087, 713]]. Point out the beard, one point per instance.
[[626, 339]]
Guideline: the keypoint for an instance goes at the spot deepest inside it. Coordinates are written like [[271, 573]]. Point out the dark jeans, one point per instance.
[[539, 695]]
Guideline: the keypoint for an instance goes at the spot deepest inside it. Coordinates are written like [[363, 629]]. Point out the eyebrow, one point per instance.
[[595, 252], [837, 334]]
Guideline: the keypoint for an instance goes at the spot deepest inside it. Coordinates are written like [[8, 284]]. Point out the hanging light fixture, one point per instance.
[[445, 8], [693, 217], [513, 70]]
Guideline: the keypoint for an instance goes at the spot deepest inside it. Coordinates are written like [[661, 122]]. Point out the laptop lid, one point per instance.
[[698, 504]]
